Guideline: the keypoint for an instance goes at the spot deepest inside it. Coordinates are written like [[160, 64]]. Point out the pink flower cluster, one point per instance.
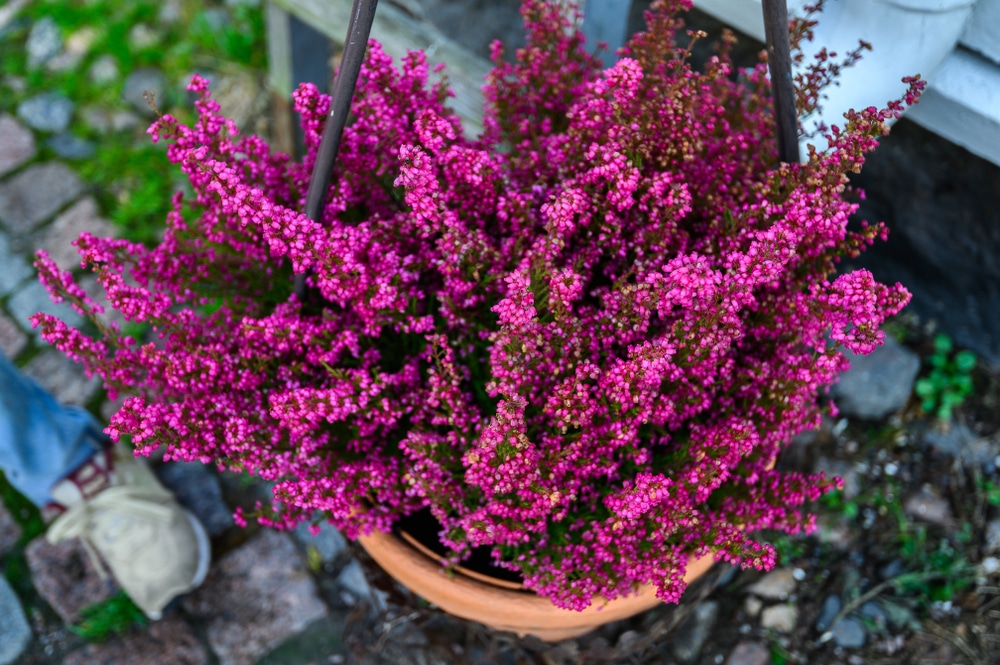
[[580, 339]]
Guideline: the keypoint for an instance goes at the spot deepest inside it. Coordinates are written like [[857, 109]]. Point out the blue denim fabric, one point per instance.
[[41, 441]]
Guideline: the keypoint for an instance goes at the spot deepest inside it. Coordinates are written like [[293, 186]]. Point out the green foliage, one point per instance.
[[949, 381], [113, 616], [129, 175]]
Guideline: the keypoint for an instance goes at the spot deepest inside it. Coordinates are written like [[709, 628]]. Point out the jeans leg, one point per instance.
[[41, 441]]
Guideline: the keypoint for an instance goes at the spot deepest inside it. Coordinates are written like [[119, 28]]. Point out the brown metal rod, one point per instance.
[[779, 62], [360, 26]]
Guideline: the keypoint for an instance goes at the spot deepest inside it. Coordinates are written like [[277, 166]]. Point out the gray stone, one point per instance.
[[992, 544], [940, 203], [781, 618], [47, 112], [318, 643], [834, 468], [77, 45], [108, 120], [198, 490], [34, 298], [15, 633], [62, 377], [752, 606], [255, 598], [963, 444], [35, 194], [13, 268], [694, 632], [58, 237], [831, 605], [12, 338], [17, 144], [328, 542], [10, 530], [70, 146], [353, 579], [749, 653], [849, 633], [167, 641], [929, 507], [138, 83], [877, 384], [141, 37], [775, 585], [873, 611], [104, 69], [44, 41], [65, 577]]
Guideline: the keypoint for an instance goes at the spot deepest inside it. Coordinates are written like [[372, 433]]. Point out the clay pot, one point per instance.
[[501, 604]]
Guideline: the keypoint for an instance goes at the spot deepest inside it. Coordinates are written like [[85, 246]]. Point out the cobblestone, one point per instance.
[[15, 633], [168, 641], [59, 236], [13, 268], [47, 112], [65, 577], [35, 194], [63, 378], [17, 144], [34, 298], [255, 598], [10, 531]]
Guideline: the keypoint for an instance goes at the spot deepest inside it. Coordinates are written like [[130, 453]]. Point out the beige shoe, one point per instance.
[[155, 549]]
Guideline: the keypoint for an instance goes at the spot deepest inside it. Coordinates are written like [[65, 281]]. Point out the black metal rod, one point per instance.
[[360, 26], [779, 62]]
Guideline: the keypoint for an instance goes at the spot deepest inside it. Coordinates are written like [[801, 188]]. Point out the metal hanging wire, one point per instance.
[[358, 30], [779, 63]]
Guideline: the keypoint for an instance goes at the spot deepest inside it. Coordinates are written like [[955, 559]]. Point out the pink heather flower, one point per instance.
[[579, 340]]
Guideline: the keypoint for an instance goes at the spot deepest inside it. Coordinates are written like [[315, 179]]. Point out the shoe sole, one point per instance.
[[204, 549]]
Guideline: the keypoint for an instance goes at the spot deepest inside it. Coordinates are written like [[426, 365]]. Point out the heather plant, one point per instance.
[[580, 339]]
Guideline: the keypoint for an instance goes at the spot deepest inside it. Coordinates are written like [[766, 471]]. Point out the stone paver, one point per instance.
[[63, 378], [13, 268], [138, 83], [34, 298], [167, 641], [59, 236], [65, 577], [35, 194], [15, 633], [255, 598], [17, 144], [44, 42], [198, 490], [775, 585], [877, 384], [749, 653], [47, 112], [10, 530], [329, 542], [695, 631], [782, 618]]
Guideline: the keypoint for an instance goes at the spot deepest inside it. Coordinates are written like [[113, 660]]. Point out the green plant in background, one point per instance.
[[113, 616], [949, 381], [126, 171]]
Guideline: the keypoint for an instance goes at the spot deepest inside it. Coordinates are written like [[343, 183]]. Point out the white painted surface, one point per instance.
[[983, 33], [962, 101]]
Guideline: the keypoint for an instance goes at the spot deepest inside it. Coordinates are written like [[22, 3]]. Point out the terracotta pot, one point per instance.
[[497, 603]]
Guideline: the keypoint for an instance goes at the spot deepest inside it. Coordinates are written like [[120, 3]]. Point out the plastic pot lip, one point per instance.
[[930, 6], [519, 611]]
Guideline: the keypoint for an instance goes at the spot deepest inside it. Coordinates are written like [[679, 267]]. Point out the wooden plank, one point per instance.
[[279, 49], [398, 33]]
